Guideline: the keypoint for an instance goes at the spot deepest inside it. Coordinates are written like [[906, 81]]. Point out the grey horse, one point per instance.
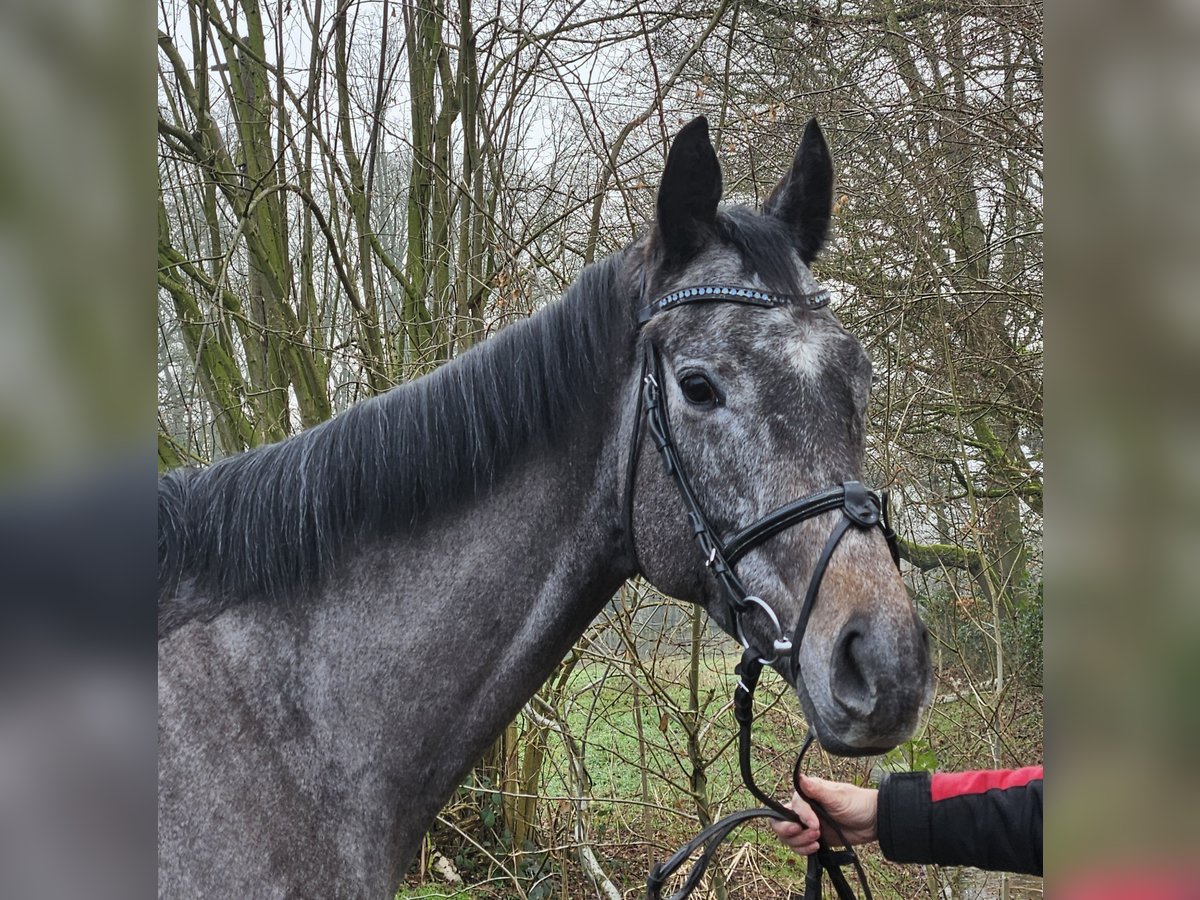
[[348, 618]]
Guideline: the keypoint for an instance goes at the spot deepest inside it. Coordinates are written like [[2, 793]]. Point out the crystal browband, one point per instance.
[[749, 296]]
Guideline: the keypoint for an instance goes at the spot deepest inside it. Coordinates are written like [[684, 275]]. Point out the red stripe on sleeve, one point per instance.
[[957, 784]]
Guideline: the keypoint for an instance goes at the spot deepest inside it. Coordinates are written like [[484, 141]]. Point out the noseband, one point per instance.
[[861, 508]]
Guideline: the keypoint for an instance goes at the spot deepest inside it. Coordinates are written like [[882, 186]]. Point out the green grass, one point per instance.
[[434, 892], [605, 718]]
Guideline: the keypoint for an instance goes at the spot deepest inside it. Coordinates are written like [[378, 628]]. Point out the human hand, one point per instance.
[[853, 809], [800, 836]]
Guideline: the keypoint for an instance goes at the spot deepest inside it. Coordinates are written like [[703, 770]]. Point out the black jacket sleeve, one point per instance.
[[990, 820]]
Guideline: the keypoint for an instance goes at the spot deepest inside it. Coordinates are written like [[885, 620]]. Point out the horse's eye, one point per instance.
[[698, 390]]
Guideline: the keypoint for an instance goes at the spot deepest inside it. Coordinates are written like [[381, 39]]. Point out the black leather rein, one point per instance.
[[861, 508]]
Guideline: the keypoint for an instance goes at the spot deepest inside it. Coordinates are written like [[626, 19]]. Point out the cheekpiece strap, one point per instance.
[[722, 294]]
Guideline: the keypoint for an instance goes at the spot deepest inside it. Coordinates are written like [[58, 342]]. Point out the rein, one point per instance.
[[861, 508]]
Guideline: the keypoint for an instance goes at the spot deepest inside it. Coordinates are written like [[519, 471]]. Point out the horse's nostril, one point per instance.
[[851, 687]]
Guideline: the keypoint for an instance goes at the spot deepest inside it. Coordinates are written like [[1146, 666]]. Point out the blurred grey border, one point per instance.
[[77, 466], [1123, 438], [77, 463]]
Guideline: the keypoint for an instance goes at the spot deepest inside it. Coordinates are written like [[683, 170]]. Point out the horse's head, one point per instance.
[[765, 402]]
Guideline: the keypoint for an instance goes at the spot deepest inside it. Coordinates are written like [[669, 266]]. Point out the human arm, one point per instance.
[[990, 820]]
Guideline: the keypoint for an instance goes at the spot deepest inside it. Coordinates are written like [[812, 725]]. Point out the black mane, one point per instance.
[[272, 520], [269, 522]]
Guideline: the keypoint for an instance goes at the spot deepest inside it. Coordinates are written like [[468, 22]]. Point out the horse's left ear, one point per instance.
[[804, 196]]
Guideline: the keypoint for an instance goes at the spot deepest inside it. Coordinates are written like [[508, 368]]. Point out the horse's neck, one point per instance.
[[348, 717], [427, 647]]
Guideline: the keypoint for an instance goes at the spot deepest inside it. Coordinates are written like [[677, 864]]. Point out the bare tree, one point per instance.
[[351, 194]]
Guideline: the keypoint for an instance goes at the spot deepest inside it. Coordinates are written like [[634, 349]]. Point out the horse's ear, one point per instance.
[[804, 196], [689, 193]]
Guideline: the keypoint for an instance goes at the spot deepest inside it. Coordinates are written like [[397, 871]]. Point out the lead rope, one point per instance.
[[825, 861]]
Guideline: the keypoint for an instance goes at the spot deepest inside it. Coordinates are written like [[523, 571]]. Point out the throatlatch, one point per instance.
[[861, 508]]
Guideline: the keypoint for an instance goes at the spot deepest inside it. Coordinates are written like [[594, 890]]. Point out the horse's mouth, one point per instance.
[[833, 745], [834, 741]]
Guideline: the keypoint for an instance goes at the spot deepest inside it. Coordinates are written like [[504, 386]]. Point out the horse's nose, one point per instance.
[[875, 672], [854, 669]]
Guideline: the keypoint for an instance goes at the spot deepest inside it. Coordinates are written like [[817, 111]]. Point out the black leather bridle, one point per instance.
[[861, 508]]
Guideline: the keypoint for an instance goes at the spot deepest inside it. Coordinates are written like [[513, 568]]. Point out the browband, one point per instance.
[[717, 293]]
